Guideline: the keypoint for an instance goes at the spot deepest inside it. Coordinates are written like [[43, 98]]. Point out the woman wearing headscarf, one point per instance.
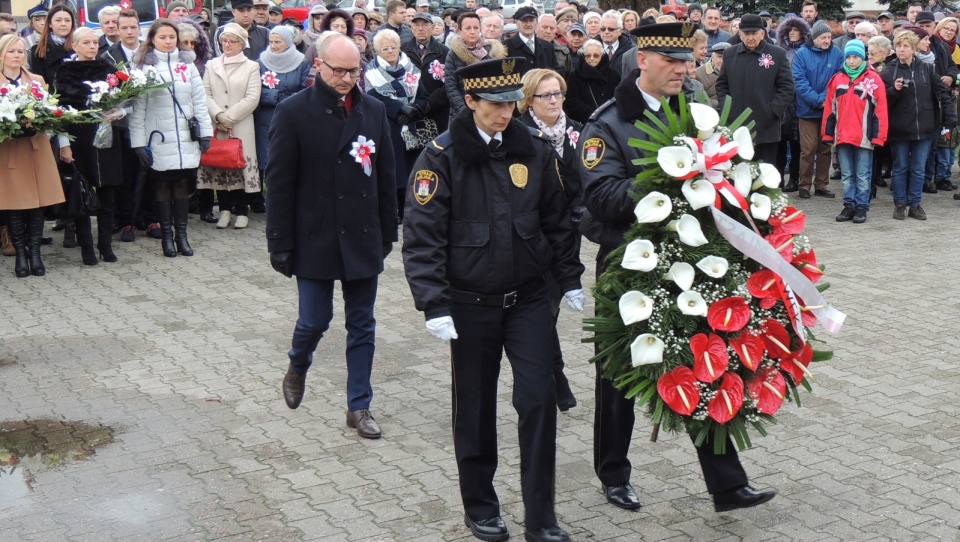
[[591, 82], [232, 85], [395, 81], [791, 36], [283, 73], [313, 31]]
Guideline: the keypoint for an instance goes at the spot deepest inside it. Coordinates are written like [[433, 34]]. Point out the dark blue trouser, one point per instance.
[[316, 311]]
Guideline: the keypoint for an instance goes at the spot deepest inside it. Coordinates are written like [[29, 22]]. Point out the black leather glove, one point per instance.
[[282, 262], [204, 144], [402, 119], [410, 111], [144, 155], [387, 249]]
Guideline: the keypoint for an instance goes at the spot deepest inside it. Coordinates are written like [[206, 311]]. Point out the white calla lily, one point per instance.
[[635, 307], [743, 178], [639, 256], [676, 161], [690, 233], [714, 266], [744, 142], [681, 273], [769, 177], [760, 206], [692, 304], [691, 144], [705, 118], [654, 207], [699, 192], [646, 349]]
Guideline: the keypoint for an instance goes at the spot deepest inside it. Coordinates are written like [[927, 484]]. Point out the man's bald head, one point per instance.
[[338, 54]]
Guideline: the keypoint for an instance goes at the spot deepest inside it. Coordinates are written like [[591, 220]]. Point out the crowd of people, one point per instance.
[[352, 122]]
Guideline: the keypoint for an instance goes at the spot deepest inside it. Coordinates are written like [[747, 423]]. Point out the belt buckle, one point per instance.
[[510, 299]]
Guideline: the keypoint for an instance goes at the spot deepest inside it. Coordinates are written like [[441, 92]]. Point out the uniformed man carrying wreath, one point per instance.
[[487, 219], [607, 171]]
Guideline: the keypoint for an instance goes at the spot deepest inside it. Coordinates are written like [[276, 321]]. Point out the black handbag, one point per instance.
[[192, 122], [81, 200]]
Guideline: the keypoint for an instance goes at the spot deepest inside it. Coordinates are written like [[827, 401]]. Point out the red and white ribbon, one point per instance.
[[363, 149]]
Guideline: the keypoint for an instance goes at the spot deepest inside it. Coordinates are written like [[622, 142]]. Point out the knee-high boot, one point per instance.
[[34, 224], [166, 229], [19, 239], [105, 225], [180, 215], [85, 240]]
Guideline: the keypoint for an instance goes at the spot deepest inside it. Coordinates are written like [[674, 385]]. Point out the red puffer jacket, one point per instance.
[[855, 112]]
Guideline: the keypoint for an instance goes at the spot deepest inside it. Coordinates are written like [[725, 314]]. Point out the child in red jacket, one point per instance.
[[855, 119]]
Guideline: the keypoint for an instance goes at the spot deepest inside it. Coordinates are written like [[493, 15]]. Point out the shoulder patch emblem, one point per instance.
[[425, 183], [592, 153]]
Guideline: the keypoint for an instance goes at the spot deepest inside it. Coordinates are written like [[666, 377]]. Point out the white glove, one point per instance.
[[575, 299], [442, 328]]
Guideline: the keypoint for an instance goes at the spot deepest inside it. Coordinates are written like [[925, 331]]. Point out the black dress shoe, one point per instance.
[[258, 208], [208, 217], [546, 534], [791, 187], [825, 193], [46, 240], [622, 496], [293, 386], [491, 529], [929, 188], [745, 497], [881, 183], [835, 176], [804, 193]]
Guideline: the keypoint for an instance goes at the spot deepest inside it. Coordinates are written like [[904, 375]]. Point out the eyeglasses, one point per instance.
[[608, 29], [547, 97], [592, 55], [227, 41], [388, 48], [189, 42], [340, 72]]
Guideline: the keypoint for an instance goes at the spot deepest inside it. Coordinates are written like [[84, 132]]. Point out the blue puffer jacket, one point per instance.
[[812, 69], [289, 84]]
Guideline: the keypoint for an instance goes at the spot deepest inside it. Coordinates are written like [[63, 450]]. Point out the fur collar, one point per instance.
[[71, 79], [788, 24], [495, 48], [517, 139], [631, 104]]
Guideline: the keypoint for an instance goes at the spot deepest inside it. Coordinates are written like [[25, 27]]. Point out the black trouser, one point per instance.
[[766, 152], [524, 331], [105, 215], [235, 201], [794, 146], [613, 429]]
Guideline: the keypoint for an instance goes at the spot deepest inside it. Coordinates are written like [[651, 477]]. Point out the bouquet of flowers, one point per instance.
[[27, 110], [703, 314], [117, 91]]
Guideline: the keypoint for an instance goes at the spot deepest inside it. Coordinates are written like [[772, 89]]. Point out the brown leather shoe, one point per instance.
[[364, 423], [293, 386]]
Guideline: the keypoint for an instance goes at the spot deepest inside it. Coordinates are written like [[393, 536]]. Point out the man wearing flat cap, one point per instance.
[[608, 167], [757, 75], [710, 71], [526, 44], [486, 219]]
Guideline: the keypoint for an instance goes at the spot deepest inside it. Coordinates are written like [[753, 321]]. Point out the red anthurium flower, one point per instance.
[[806, 262], [710, 357], [776, 338], [763, 285], [725, 405], [679, 390], [749, 349], [728, 314], [122, 75], [768, 389], [783, 243], [809, 319], [797, 362], [792, 222]]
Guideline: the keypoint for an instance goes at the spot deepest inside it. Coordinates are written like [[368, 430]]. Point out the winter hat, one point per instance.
[[285, 33], [865, 28], [237, 31], [921, 33], [855, 47], [176, 4], [360, 32], [694, 7], [819, 28]]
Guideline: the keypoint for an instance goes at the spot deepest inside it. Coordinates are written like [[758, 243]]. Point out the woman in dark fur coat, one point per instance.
[[791, 35], [101, 167]]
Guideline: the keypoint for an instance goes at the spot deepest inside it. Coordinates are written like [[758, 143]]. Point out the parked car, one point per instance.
[[510, 7], [298, 9], [677, 7], [378, 5]]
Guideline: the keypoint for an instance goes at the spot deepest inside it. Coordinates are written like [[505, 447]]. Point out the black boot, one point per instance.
[[19, 239], [105, 238], [35, 236], [180, 207], [85, 239], [69, 235], [166, 229]]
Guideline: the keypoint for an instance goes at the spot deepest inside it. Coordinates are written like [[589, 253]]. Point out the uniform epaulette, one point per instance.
[[603, 107], [537, 133], [442, 141]]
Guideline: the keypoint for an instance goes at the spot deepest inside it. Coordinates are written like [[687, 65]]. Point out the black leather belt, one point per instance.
[[505, 301]]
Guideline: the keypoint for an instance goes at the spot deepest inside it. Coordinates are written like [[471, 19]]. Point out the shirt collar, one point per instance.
[[652, 103], [486, 139]]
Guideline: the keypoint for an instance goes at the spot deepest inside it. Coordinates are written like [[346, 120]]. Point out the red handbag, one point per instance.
[[224, 153]]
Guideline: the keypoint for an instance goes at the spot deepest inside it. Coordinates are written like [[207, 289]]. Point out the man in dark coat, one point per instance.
[[108, 19], [526, 44], [332, 215], [608, 169], [486, 218], [756, 74], [257, 36], [430, 56], [615, 44]]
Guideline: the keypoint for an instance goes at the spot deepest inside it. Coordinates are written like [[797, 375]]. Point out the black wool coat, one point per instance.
[[337, 220], [432, 76], [761, 80], [589, 87], [544, 56]]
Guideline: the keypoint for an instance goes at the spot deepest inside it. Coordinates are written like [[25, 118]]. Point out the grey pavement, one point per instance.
[[157, 385]]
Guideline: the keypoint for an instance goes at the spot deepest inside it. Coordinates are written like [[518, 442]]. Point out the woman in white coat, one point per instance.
[[160, 130], [232, 84]]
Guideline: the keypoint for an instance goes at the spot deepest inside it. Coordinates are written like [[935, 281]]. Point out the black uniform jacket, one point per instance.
[[607, 169], [335, 218], [485, 222]]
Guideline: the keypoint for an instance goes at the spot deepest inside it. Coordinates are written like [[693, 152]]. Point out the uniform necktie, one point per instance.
[[494, 144]]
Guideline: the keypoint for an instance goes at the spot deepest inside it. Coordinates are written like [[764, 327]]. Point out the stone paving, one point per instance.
[[183, 359]]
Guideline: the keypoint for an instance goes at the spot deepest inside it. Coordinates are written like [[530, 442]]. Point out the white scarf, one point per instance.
[[555, 133]]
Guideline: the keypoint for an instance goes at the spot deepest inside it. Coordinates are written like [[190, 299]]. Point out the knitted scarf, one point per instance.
[[285, 62], [379, 76], [854, 73]]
